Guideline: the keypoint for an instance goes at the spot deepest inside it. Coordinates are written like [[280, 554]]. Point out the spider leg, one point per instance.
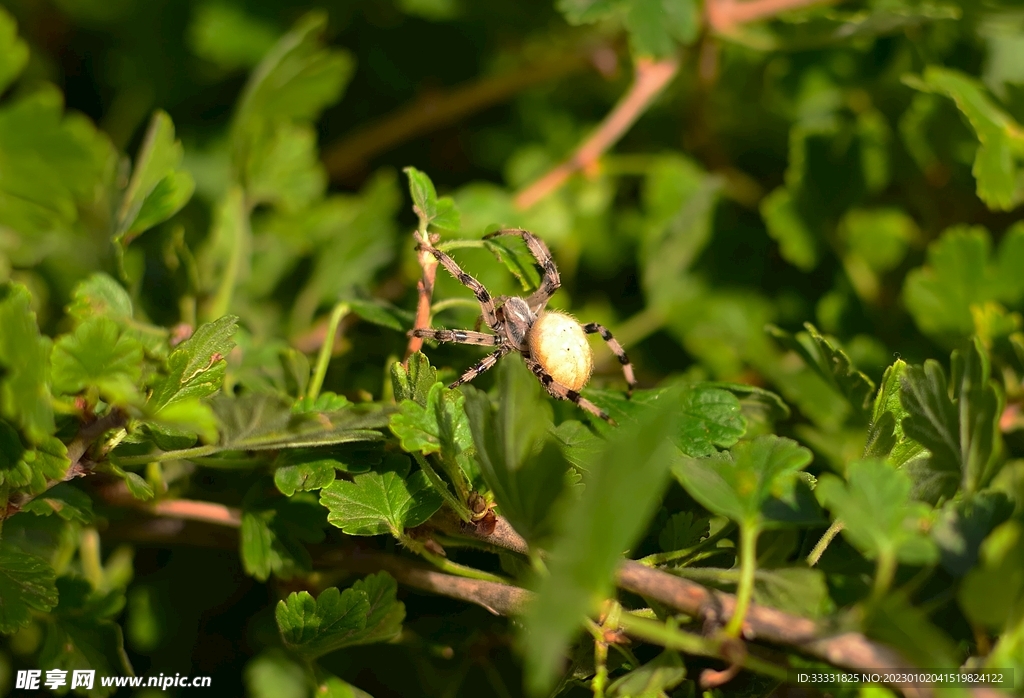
[[481, 366], [561, 392], [550, 281], [613, 344], [458, 337], [482, 296]]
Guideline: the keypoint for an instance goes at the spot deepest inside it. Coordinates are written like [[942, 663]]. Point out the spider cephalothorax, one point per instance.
[[553, 344]]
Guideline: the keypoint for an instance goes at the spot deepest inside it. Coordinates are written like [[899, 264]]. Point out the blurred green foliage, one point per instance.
[[809, 243]]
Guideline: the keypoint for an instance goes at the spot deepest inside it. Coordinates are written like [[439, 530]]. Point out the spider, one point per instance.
[[553, 344]]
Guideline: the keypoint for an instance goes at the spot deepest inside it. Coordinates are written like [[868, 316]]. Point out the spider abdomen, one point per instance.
[[559, 345]]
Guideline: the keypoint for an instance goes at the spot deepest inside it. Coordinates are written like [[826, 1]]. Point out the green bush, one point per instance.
[[222, 455]]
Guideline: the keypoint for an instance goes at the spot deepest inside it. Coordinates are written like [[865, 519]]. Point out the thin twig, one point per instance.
[[723, 15], [651, 77], [438, 109], [194, 510]]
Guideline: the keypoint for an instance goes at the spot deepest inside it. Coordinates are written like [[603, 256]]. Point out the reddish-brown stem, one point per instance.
[[425, 289], [194, 510], [651, 77], [723, 15]]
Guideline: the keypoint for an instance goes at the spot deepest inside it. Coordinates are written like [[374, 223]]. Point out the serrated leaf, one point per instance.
[[273, 536], [138, 487], [262, 422], [50, 165], [30, 467], [378, 503], [24, 366], [997, 163], [365, 613], [414, 380], [64, 500], [446, 216], [747, 484], [520, 464], [196, 367], [157, 188], [229, 37], [619, 497], [26, 583], [439, 427], [961, 432], [886, 438], [186, 418], [684, 530], [283, 167], [831, 363], [98, 354], [961, 273], [655, 678], [879, 516], [312, 471], [324, 402], [13, 51]]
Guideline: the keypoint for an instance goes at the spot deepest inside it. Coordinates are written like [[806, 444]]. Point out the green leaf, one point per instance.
[[299, 470], [414, 380], [98, 354], [157, 189], [424, 196], [229, 37], [886, 437], [439, 427], [879, 516], [963, 524], [655, 678], [50, 166], [283, 168], [519, 462], [363, 614], [324, 402], [446, 216], [746, 484], [24, 366], [273, 534], [880, 237], [81, 635], [961, 432], [992, 593], [187, 418], [13, 51], [959, 274], [684, 530], [797, 243], [195, 369], [100, 294], [382, 313], [997, 162], [620, 495], [28, 467], [275, 674], [831, 363], [798, 590], [64, 500], [262, 422], [586, 11], [295, 81], [374, 504], [26, 583]]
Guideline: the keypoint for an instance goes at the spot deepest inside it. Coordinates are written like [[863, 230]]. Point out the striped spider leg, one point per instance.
[[561, 392], [613, 344], [550, 280]]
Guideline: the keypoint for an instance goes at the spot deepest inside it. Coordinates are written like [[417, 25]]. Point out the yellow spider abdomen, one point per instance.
[[559, 345]]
